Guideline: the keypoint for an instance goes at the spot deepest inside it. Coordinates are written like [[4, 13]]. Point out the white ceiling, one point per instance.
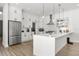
[[37, 8]]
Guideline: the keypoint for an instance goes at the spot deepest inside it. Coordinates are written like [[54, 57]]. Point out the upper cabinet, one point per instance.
[[15, 13]]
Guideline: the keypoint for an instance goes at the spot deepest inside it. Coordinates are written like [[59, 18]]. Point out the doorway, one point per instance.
[[1, 31]]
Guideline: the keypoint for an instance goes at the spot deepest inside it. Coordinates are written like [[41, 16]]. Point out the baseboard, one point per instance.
[[75, 41]]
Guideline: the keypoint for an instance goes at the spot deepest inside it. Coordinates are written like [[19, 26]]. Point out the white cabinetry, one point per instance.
[[43, 45], [15, 13], [26, 37]]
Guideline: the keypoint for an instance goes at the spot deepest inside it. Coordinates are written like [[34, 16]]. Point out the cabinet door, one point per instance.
[[43, 46]]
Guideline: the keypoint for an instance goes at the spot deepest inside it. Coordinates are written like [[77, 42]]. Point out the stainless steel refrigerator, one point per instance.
[[14, 32]]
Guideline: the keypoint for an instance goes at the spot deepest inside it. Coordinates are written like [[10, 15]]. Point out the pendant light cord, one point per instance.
[[63, 13], [53, 11], [43, 8], [59, 10]]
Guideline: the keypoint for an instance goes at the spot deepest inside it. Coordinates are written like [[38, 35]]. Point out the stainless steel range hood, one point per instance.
[[51, 21]]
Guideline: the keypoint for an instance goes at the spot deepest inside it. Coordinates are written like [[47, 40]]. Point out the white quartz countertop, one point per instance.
[[63, 34], [55, 35]]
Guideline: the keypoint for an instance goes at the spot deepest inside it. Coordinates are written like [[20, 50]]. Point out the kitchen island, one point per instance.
[[49, 45]]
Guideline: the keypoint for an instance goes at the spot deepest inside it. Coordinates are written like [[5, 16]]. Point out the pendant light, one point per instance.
[[52, 16], [59, 5], [63, 14], [53, 11], [61, 10]]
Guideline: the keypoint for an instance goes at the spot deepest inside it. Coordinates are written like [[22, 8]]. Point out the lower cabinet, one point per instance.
[[26, 37]]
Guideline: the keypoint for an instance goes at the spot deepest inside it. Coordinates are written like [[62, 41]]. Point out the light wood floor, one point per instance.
[[69, 50], [24, 49]]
